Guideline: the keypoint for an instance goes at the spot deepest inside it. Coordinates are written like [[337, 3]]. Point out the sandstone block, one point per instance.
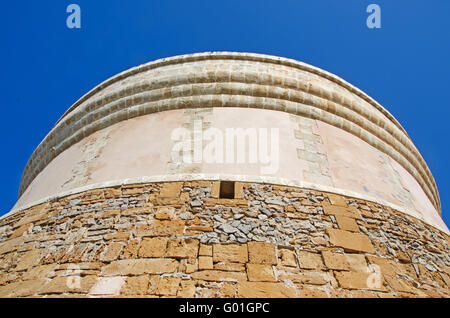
[[40, 272], [107, 287], [112, 252], [308, 260], [238, 190], [182, 248], [171, 190], [260, 273], [336, 199], [215, 190], [69, 284], [205, 262], [218, 276], [130, 250], [309, 278], [28, 260], [287, 258], [228, 290], [385, 268], [20, 231], [230, 253], [22, 288], [205, 250], [11, 245], [187, 289], [336, 210], [118, 236], [311, 293], [265, 290], [140, 267], [359, 280], [335, 261], [347, 224], [136, 285], [231, 267], [164, 213], [349, 241], [262, 253], [357, 262], [153, 247], [161, 228]]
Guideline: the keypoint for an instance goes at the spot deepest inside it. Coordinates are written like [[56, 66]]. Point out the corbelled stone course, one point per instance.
[[129, 242]]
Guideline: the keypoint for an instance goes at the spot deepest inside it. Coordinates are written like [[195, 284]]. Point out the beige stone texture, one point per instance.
[[262, 253], [235, 253]]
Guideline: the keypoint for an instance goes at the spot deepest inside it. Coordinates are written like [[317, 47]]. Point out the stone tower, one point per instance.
[[225, 175]]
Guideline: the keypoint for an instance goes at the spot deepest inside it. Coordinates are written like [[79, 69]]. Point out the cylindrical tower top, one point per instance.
[[343, 139]]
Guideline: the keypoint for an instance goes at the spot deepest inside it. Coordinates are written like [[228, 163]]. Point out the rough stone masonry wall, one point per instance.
[[180, 239]]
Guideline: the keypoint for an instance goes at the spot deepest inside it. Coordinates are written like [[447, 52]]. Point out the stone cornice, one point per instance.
[[211, 80]]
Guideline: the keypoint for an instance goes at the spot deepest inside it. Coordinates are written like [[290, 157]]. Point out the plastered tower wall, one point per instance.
[[351, 209]]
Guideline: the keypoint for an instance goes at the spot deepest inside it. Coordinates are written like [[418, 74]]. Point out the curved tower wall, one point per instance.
[[340, 181]]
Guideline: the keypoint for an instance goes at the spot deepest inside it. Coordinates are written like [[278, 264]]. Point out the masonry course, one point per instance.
[[129, 252]]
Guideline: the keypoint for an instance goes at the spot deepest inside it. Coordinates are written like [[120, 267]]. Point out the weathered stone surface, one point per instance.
[[161, 228], [347, 224], [20, 231], [107, 287], [309, 278], [265, 290], [311, 293], [230, 253], [336, 261], [215, 189], [215, 275], [336, 210], [40, 272], [136, 285], [22, 289], [182, 248], [360, 280], [112, 252], [140, 266], [262, 253], [78, 238], [10, 245], [164, 213], [356, 262], [69, 284], [205, 250], [383, 265], [308, 260], [352, 242], [171, 190], [118, 236], [130, 250], [260, 273], [186, 290], [28, 260], [205, 262], [168, 286], [288, 257], [228, 290], [153, 247], [232, 267], [336, 199]]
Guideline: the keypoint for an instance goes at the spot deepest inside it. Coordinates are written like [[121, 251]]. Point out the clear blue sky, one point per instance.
[[46, 66]]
